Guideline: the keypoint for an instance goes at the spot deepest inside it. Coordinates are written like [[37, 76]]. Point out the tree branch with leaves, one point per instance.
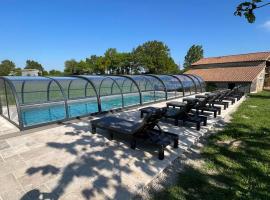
[[247, 9]]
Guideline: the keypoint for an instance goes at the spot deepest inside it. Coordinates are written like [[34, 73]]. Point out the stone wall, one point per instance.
[[260, 81]]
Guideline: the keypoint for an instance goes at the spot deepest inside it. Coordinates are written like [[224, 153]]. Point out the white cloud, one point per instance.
[[266, 25]]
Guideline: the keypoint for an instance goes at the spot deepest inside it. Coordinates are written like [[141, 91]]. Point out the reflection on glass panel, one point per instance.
[[191, 83], [130, 91], [35, 92], [151, 88], [109, 91], [13, 114], [77, 89], [173, 86], [65, 83], [54, 92], [187, 84], [109, 87], [82, 98], [197, 83], [31, 90], [3, 99], [112, 91], [201, 82], [90, 91]]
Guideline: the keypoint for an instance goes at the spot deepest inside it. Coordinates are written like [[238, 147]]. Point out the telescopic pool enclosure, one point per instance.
[[30, 102]]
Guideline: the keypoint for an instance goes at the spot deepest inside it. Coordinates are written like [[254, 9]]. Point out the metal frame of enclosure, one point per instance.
[[29, 102]]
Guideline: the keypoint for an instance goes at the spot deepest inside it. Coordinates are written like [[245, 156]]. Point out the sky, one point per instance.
[[53, 31]]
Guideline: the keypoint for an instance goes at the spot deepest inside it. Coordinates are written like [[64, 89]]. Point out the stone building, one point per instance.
[[30, 72], [250, 70]]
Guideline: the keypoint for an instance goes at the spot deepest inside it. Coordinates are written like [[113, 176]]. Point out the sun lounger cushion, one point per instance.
[[117, 124]]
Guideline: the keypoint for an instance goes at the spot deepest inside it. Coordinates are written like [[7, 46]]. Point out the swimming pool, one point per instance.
[[44, 114]]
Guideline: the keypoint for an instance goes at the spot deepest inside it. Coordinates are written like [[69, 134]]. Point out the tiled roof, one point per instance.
[[228, 74], [260, 56]]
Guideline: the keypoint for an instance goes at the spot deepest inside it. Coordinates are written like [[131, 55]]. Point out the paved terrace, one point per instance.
[[68, 162]]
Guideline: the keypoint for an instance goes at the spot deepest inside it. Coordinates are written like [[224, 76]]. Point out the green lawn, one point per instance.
[[236, 160]]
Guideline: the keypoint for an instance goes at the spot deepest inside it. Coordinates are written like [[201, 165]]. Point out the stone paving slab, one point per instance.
[[6, 127], [68, 162]]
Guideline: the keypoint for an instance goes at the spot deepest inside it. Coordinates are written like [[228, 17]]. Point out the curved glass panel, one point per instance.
[[193, 84], [201, 82], [109, 92], [12, 106], [173, 86], [32, 90], [37, 97], [3, 99], [151, 88], [131, 95], [197, 83], [188, 84], [81, 96]]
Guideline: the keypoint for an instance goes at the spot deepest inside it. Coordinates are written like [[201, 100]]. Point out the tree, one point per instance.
[[16, 72], [125, 63], [31, 64], [112, 59], [6, 67], [71, 67], [55, 73], [45, 73], [95, 64], [154, 57], [247, 9], [194, 54]]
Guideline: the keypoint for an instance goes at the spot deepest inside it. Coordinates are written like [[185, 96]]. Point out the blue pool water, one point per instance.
[[39, 115]]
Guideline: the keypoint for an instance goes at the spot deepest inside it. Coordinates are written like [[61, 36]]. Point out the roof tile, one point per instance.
[[259, 56], [228, 74]]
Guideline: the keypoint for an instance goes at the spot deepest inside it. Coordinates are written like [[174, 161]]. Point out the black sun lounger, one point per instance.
[[217, 99], [183, 114], [236, 93], [139, 130], [203, 104]]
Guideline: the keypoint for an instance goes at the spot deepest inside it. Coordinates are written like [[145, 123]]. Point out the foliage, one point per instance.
[[45, 73], [194, 54], [6, 67], [96, 64], [71, 67], [235, 162], [151, 57], [154, 57], [16, 72], [54, 73], [31, 64], [247, 9], [112, 60]]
